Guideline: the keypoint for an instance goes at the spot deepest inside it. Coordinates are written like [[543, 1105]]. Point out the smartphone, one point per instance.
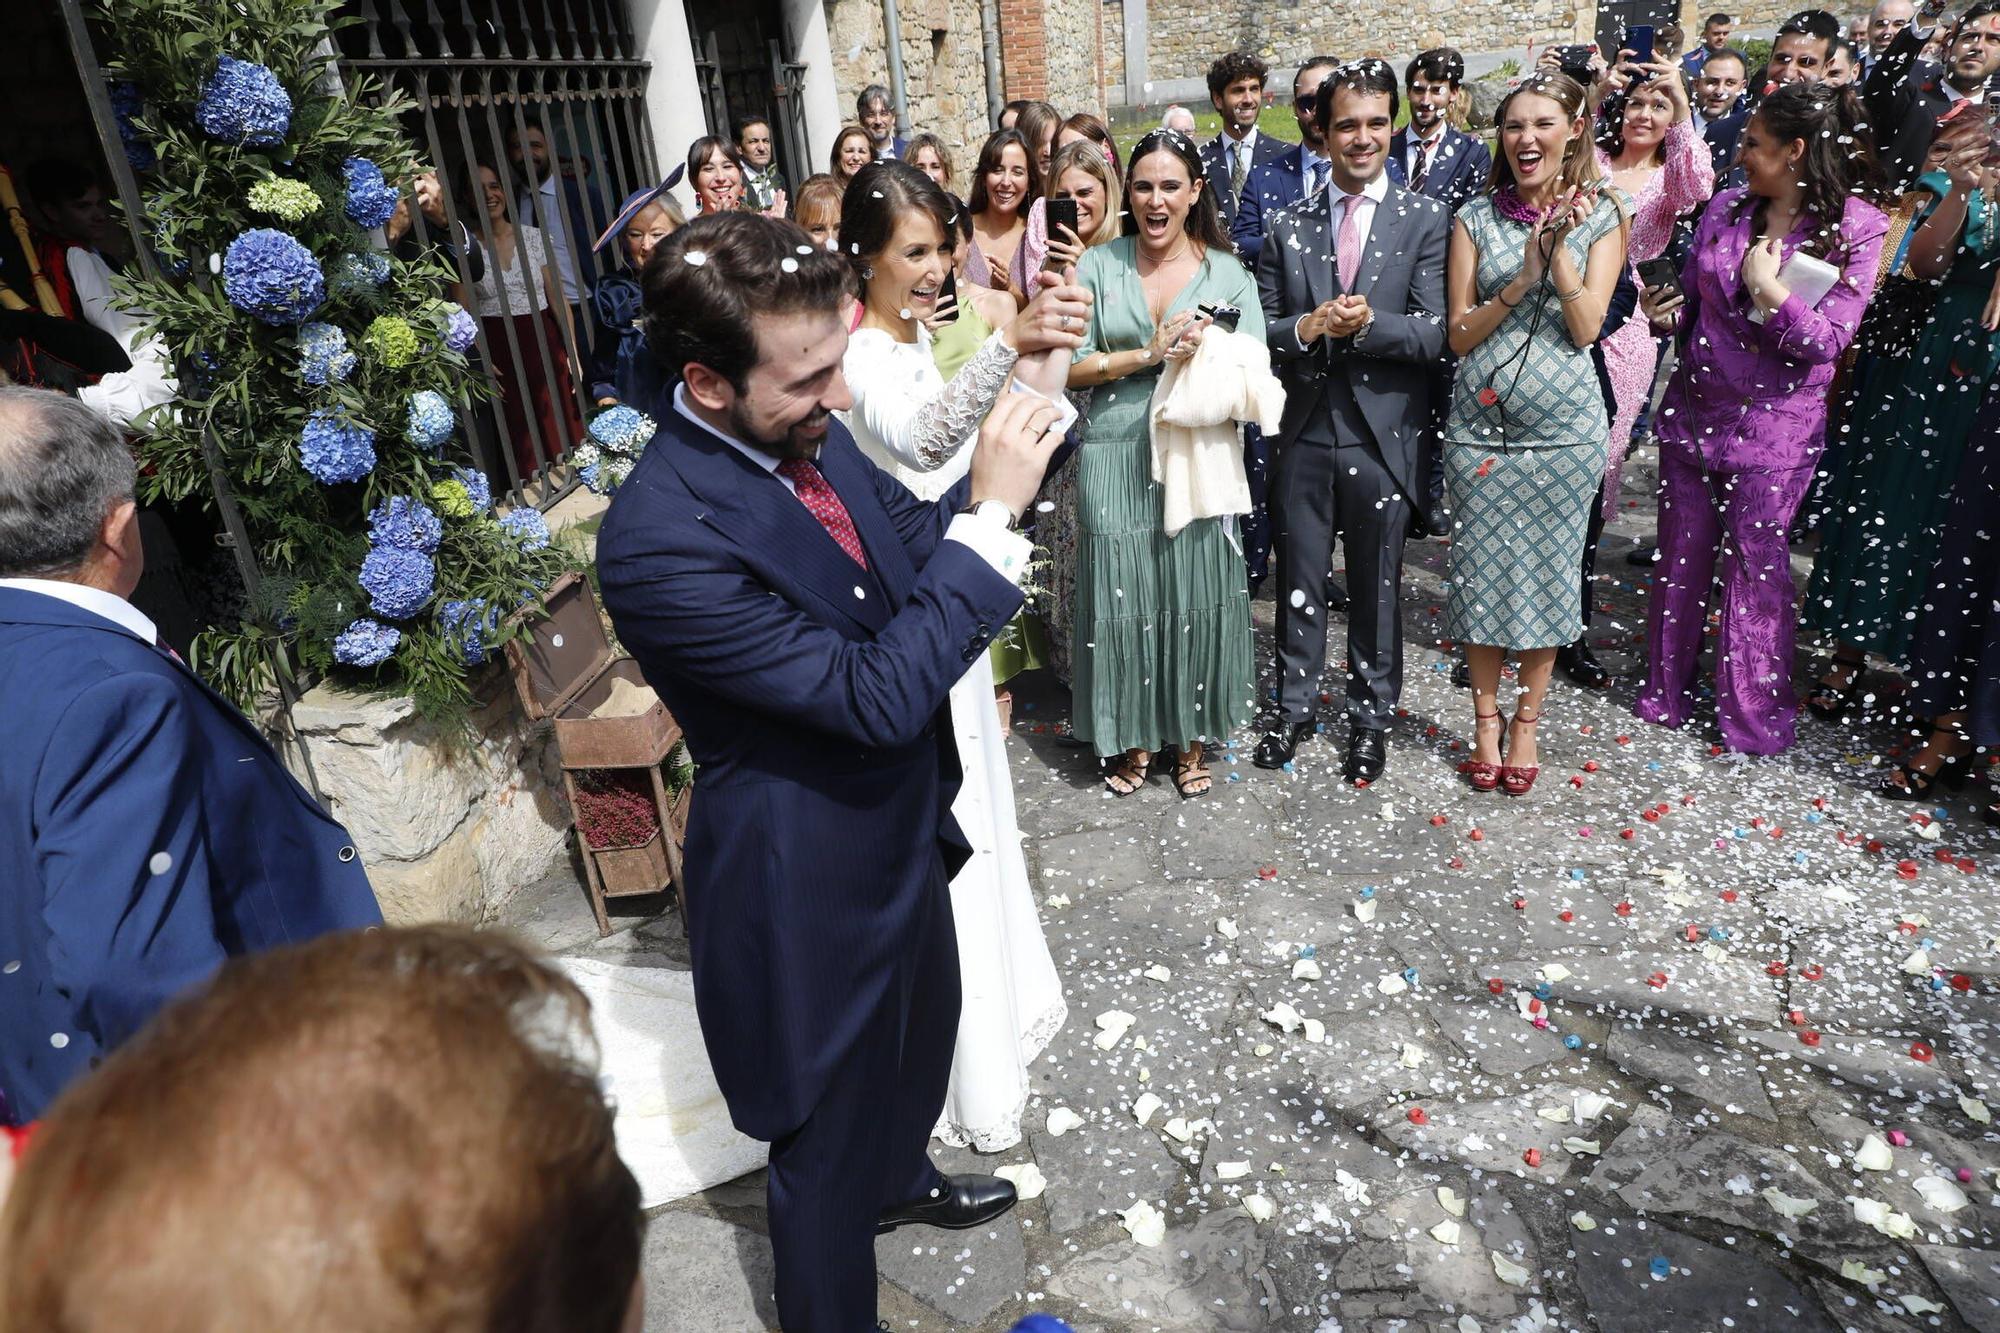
[[1224, 317], [1660, 273], [948, 294], [1575, 62], [1639, 41], [1062, 213]]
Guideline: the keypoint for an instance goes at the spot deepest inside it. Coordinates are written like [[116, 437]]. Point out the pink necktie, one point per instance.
[[1347, 246], [818, 496]]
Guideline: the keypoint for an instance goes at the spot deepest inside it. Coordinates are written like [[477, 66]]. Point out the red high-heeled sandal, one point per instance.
[[1480, 775], [1517, 780]]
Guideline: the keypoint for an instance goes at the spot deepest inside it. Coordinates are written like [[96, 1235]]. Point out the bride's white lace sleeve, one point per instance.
[[921, 425]]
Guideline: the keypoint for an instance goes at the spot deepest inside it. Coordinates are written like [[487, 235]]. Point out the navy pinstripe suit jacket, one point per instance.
[[813, 694]]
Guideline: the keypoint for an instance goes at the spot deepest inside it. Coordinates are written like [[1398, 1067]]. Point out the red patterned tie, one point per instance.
[[817, 496]]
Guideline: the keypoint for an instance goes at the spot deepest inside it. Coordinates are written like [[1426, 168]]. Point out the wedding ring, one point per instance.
[[1066, 322]]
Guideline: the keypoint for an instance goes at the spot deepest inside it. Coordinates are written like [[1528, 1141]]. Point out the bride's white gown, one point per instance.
[[920, 430]]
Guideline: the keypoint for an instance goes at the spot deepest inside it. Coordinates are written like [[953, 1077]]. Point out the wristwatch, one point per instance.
[[992, 510]]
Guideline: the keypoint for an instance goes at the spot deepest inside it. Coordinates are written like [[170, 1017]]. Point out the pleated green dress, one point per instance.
[[1162, 650]]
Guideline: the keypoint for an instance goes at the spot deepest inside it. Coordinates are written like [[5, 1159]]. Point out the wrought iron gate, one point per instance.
[[745, 66], [483, 74]]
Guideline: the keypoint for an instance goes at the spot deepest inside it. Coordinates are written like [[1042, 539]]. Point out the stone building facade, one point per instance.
[[1048, 49]]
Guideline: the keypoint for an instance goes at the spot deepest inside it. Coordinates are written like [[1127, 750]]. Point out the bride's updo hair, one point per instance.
[[881, 195]]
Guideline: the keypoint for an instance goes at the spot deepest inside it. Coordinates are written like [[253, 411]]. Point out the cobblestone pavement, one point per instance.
[[1679, 1041]]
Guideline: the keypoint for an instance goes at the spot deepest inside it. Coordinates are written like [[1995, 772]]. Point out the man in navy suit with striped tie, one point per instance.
[[147, 830], [804, 616], [1430, 157]]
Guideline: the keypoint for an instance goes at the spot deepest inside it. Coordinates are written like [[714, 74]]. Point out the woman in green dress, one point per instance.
[[1162, 633], [1883, 510]]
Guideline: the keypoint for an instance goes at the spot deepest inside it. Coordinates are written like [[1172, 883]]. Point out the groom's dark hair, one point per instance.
[[706, 281]]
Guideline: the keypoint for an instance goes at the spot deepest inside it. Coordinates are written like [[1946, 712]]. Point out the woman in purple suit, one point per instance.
[[1744, 418]]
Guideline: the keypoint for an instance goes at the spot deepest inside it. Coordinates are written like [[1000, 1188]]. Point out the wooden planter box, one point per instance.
[[564, 670]]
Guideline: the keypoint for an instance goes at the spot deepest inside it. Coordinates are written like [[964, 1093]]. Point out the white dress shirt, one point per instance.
[[991, 539], [1371, 196], [1413, 145], [1306, 159], [102, 604]]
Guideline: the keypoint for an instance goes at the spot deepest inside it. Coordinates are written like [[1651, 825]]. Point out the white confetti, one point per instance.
[[1062, 1120], [1941, 1195], [1508, 1271]]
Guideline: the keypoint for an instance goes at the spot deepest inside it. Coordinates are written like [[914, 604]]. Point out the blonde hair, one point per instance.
[[1087, 157], [1579, 164]]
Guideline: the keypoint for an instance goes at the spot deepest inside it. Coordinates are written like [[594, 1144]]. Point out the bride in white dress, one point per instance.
[[895, 228]]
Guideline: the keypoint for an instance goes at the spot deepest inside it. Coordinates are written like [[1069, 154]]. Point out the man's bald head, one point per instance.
[[66, 482]]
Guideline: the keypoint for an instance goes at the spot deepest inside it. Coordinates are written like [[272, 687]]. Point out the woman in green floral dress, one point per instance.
[[1162, 635], [1883, 510]]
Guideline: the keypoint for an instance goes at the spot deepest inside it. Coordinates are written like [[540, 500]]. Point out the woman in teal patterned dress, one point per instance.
[[1883, 510], [1162, 632], [1532, 268]]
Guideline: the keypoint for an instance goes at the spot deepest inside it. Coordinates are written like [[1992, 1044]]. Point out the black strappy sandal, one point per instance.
[[1124, 768], [1829, 702], [1189, 772], [1906, 782]]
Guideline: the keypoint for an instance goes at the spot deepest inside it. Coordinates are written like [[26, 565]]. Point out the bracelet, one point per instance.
[[1104, 367], [1501, 297]]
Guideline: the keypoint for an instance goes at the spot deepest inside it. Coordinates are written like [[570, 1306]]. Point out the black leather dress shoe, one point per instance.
[[1336, 597], [1461, 675], [1277, 745], [1367, 754], [1644, 557], [1580, 665], [958, 1202]]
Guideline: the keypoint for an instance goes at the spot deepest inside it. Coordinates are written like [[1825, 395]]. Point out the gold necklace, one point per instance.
[[1158, 264]]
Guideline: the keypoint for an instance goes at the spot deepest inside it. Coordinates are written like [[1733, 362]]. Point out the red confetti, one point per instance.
[[1812, 973], [1874, 844], [1267, 872], [1967, 864], [1623, 909], [1624, 740], [1533, 1157], [1809, 1037], [1650, 816], [1477, 835], [1456, 863], [1497, 986], [1692, 932], [1796, 1017], [1775, 968], [1657, 981], [1565, 916], [1486, 468], [1439, 821], [1520, 904], [1906, 869], [1921, 1052], [1576, 781], [1819, 803], [1778, 832], [1961, 982], [1418, 1116], [1590, 765], [1729, 895], [1487, 397]]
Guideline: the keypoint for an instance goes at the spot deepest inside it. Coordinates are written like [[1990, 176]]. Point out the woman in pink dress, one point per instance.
[[1648, 147]]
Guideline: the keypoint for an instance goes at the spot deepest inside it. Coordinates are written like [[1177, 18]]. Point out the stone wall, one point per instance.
[[1184, 39], [447, 833], [1112, 26], [1075, 66], [943, 67]]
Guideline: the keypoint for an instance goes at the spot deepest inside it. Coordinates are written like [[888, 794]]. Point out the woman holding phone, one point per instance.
[[896, 231], [1531, 272], [1082, 196], [1162, 633], [1743, 420], [1882, 513]]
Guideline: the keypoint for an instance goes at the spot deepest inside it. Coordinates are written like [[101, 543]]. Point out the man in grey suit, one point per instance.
[[1352, 283]]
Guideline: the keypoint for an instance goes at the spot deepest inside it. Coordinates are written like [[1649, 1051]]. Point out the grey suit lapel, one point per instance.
[[1316, 252]]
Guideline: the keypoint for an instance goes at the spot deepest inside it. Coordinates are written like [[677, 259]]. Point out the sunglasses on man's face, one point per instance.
[[1307, 102]]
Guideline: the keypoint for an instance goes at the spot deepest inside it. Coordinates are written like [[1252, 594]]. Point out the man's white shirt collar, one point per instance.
[[102, 604]]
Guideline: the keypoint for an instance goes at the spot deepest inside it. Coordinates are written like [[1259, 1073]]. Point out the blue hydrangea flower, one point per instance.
[[323, 354], [476, 486], [466, 624], [406, 524], [370, 199], [622, 428], [430, 419], [360, 271], [366, 643], [528, 527], [243, 103], [126, 103], [270, 275], [460, 329], [335, 449], [398, 582]]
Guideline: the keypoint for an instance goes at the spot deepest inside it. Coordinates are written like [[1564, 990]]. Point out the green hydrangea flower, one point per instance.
[[392, 340], [452, 499], [286, 200]]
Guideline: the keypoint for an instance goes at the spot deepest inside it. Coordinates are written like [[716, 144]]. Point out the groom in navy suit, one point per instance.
[[805, 617], [147, 831], [1430, 157]]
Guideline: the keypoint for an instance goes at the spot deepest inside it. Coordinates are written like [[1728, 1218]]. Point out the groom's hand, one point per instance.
[[1015, 442]]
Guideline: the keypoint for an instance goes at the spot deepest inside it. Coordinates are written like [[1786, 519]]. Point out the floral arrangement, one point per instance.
[[614, 807], [613, 442], [325, 379]]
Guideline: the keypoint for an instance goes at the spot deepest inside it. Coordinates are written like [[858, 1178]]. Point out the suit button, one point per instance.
[[347, 853]]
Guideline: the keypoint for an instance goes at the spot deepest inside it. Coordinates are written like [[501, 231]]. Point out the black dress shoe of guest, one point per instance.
[[957, 1203], [1461, 675], [1367, 754], [1644, 557], [1277, 746], [1581, 666], [1336, 597]]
